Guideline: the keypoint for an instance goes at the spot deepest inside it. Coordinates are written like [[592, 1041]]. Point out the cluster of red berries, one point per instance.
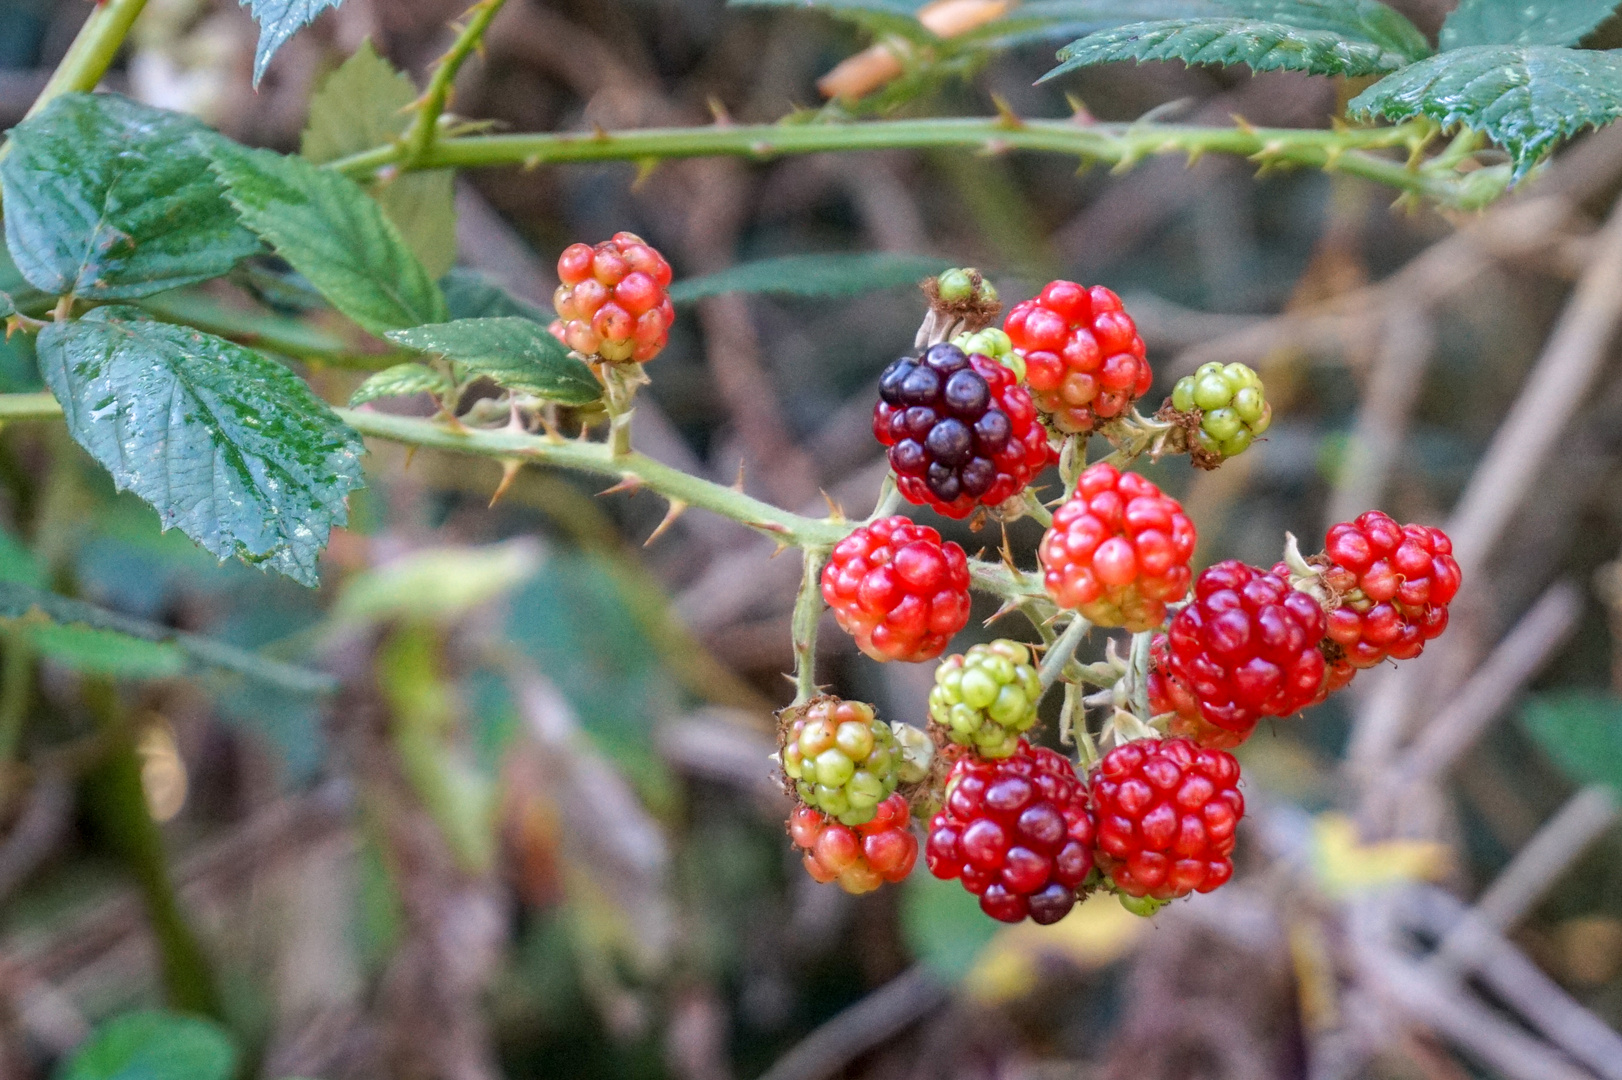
[[898, 590], [1393, 582], [860, 858], [613, 302], [961, 430], [1084, 360]]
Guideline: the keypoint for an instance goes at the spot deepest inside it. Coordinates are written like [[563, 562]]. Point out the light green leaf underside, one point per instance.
[[1523, 22], [812, 275], [110, 199], [514, 352], [1526, 98], [279, 20], [364, 104], [1360, 20], [229, 447], [153, 1046], [1264, 46], [399, 381], [332, 233]]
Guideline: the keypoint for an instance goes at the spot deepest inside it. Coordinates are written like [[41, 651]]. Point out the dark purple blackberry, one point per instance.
[[960, 429]]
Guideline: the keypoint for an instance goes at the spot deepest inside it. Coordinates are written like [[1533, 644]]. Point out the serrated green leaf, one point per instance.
[[7, 308], [364, 104], [231, 448], [1523, 22], [110, 199], [1043, 20], [1525, 98], [399, 381], [879, 16], [279, 20], [514, 352], [1361, 20], [1265, 46], [332, 233], [1581, 731], [812, 275], [153, 1046], [471, 295]]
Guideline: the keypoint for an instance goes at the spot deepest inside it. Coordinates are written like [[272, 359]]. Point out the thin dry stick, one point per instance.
[[900, 1003]]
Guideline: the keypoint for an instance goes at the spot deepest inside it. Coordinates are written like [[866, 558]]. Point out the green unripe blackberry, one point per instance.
[[841, 757], [996, 344], [1233, 408], [957, 286], [987, 697]]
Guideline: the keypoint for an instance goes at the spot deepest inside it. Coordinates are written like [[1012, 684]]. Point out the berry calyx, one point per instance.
[[995, 344], [1084, 360], [860, 859], [898, 590], [960, 429], [1118, 550], [1166, 812], [1246, 647], [986, 698], [613, 301], [1233, 408], [1017, 832], [841, 757], [1393, 584]]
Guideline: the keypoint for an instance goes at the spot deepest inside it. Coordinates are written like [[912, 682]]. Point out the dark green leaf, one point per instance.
[[812, 275], [278, 21], [400, 380], [516, 353], [1581, 731], [1525, 98], [230, 447], [471, 295], [366, 104], [943, 925], [1523, 22], [1045, 20], [1265, 46], [334, 235], [1360, 20], [110, 199], [153, 1046]]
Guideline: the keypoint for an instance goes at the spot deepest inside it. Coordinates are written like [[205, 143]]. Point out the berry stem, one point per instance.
[[889, 500], [1137, 673], [419, 140], [1060, 652], [807, 614], [1034, 508]]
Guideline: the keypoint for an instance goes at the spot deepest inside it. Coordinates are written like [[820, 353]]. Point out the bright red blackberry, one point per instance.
[[612, 302], [1017, 832], [1118, 550], [860, 858], [898, 590], [1084, 360], [961, 430], [1394, 583], [1247, 646], [1170, 695], [1166, 812]]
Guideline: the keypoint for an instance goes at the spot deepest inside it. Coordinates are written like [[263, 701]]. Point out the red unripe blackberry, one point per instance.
[[1018, 833], [1170, 695], [1118, 550], [1394, 581], [860, 858], [898, 590], [612, 302], [1084, 360], [1247, 646], [961, 430], [1166, 811]]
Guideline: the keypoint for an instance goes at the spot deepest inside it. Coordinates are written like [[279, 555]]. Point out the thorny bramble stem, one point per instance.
[[807, 613], [1060, 652], [420, 139]]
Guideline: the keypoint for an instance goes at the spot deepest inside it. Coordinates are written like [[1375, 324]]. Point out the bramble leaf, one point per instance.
[[1523, 22], [100, 652], [231, 448], [112, 200], [365, 104], [333, 234], [400, 381], [1581, 731], [514, 352], [1361, 20], [279, 20], [1265, 46], [471, 295], [1526, 98], [1042, 20], [812, 275], [153, 1046]]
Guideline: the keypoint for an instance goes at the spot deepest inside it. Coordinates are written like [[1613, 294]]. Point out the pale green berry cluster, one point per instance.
[[842, 758], [997, 345], [1233, 409], [986, 698]]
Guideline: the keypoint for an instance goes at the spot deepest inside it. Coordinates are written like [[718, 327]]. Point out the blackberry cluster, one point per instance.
[[1233, 409], [1084, 360], [986, 698], [1394, 583], [613, 302], [960, 429], [841, 757], [898, 590], [883, 849]]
